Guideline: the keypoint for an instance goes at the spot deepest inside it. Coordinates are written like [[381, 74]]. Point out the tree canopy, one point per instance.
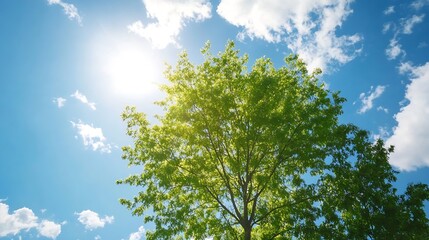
[[261, 154]]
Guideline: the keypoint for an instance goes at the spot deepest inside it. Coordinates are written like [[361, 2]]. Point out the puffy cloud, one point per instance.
[[137, 235], [49, 229], [91, 220], [412, 131], [24, 219], [79, 96], [394, 49], [368, 98], [389, 10], [170, 17], [92, 137], [307, 27], [20, 219], [405, 67], [69, 9], [59, 102], [409, 23]]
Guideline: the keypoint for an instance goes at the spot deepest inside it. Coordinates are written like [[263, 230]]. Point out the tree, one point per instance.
[[260, 154]]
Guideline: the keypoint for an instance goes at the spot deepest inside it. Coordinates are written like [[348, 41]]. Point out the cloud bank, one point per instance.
[[307, 27], [410, 136]]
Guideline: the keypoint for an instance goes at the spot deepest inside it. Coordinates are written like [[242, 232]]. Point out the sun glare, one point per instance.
[[131, 71]]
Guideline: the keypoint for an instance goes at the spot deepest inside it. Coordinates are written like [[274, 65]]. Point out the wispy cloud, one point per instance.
[[394, 49], [382, 134], [59, 102], [69, 9], [409, 23], [24, 219], [382, 109], [386, 27], [170, 17], [389, 10], [137, 235], [402, 26], [417, 5], [309, 28], [92, 137], [412, 132], [91, 220], [422, 44], [369, 97], [79, 96]]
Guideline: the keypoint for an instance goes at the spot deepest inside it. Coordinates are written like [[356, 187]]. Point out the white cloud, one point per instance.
[[24, 219], [92, 137], [98, 237], [411, 134], [79, 96], [170, 17], [394, 49], [409, 23], [405, 67], [49, 229], [405, 26], [389, 10], [137, 235], [386, 27], [59, 102], [69, 9], [20, 219], [419, 4], [368, 98], [91, 220], [307, 27], [382, 109], [383, 133]]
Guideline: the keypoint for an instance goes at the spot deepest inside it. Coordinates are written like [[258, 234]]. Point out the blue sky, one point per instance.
[[68, 68]]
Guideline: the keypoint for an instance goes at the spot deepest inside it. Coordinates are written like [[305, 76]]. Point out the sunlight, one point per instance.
[[131, 71]]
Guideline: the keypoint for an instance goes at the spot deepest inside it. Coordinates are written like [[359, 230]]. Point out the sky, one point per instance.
[[68, 68]]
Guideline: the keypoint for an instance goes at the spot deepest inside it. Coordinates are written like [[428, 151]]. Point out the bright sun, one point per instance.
[[131, 71]]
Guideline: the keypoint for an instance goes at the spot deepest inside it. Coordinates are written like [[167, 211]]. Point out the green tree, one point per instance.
[[260, 154]]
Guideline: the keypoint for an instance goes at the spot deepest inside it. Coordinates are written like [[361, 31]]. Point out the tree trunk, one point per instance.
[[247, 233]]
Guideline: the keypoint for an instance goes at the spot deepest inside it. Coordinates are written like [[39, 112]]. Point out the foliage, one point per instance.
[[260, 154]]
